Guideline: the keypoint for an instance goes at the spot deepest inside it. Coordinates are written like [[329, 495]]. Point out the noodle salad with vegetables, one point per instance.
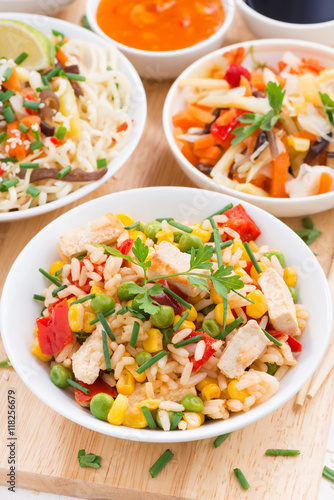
[[60, 124], [169, 324], [258, 129]]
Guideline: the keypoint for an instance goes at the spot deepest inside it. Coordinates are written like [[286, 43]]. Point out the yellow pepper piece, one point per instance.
[[151, 251], [253, 272], [192, 314], [299, 144], [193, 419], [185, 324], [117, 412], [203, 234], [87, 318], [58, 264], [75, 317], [154, 342], [290, 276], [137, 234], [126, 383], [205, 382], [125, 219], [69, 108], [259, 308], [36, 332], [165, 236], [134, 418], [235, 393], [219, 314], [237, 243], [210, 391], [151, 404], [36, 349]]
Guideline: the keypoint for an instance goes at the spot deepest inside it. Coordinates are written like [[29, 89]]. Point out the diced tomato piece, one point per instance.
[[166, 300], [276, 333], [234, 73], [54, 331], [98, 386], [248, 267], [224, 132], [295, 346], [56, 142], [126, 246], [239, 220], [97, 269], [209, 351]]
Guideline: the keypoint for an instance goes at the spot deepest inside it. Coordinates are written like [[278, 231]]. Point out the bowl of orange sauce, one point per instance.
[[161, 37]]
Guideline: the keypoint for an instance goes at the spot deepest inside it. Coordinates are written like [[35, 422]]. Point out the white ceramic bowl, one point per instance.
[[47, 8], [165, 65], [144, 204], [137, 110], [264, 50], [266, 27]]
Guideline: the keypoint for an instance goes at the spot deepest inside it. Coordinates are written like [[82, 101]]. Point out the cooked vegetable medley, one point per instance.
[[166, 324], [261, 130]]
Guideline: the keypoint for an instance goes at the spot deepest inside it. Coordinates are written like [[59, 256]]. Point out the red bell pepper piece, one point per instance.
[[295, 346], [98, 386], [277, 333], [234, 73], [239, 220], [209, 351], [56, 142], [54, 331], [166, 300], [126, 246], [224, 132], [29, 97]]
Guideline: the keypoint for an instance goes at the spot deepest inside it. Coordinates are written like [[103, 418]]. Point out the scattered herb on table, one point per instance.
[[220, 439], [89, 460], [310, 233], [85, 24], [282, 453], [241, 478], [161, 463], [5, 363], [328, 473]]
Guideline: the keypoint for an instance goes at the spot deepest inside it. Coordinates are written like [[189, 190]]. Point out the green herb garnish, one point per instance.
[[5, 185], [78, 386], [106, 351], [328, 107], [230, 328], [108, 313], [23, 128], [148, 416], [4, 96], [272, 368], [151, 361], [270, 337], [282, 453], [31, 104], [161, 463], [177, 297], [101, 163], [309, 234], [39, 297], [192, 340], [5, 363], [176, 419], [220, 439], [181, 320], [33, 164], [85, 23], [252, 258], [8, 113], [134, 334], [3, 137], [49, 277], [64, 171], [83, 299], [74, 76], [22, 57], [328, 473], [89, 460], [7, 74], [57, 290], [241, 478], [105, 325], [60, 134]]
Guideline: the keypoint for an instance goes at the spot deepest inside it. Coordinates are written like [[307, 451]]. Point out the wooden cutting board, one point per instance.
[[47, 444]]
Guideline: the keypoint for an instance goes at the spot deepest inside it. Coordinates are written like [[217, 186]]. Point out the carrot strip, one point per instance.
[[303, 134], [19, 151], [257, 81], [235, 56], [226, 117], [325, 183], [211, 153], [189, 155], [280, 172], [244, 82], [13, 82], [185, 121], [250, 142], [205, 142], [29, 121], [62, 57], [312, 65], [200, 114]]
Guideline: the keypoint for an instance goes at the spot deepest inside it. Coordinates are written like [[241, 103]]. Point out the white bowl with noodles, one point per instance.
[[271, 52], [137, 110], [144, 204], [168, 64]]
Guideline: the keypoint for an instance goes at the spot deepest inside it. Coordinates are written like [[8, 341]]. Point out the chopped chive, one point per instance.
[[282, 453], [57, 290], [161, 463], [226, 244], [241, 478], [12, 159], [270, 337], [133, 226], [44, 87], [64, 171], [33, 164], [35, 133], [109, 68], [138, 314], [31, 104], [49, 277], [5, 185], [151, 361], [181, 320], [78, 386], [45, 82], [176, 419], [252, 258], [7, 74], [217, 240], [186, 229], [328, 473], [39, 297], [229, 328], [220, 439], [34, 146], [3, 138], [34, 191], [60, 134], [83, 299], [148, 417], [196, 338], [22, 57], [134, 334], [101, 163], [164, 218], [74, 76], [221, 211], [57, 273], [54, 72], [23, 128], [8, 114], [106, 326], [43, 310], [108, 313], [177, 297], [4, 96], [106, 351]]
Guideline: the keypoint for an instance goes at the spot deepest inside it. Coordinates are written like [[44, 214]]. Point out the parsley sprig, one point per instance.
[[266, 122], [310, 233], [328, 107], [89, 460]]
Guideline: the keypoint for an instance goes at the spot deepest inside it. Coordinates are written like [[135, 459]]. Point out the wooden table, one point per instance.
[[48, 444]]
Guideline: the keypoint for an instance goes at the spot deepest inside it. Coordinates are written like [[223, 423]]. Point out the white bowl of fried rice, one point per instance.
[[189, 206], [105, 98]]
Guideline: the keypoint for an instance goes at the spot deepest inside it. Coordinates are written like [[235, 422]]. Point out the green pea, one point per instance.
[[152, 228], [189, 241], [177, 236], [141, 227], [102, 303], [294, 294], [123, 291], [100, 405], [279, 255], [167, 334], [211, 327], [164, 317], [192, 403], [142, 357], [208, 309], [59, 374], [170, 414]]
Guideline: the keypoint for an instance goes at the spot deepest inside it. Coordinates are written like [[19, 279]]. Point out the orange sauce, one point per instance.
[[159, 25]]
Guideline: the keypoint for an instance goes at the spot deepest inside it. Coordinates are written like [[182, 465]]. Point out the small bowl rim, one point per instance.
[[229, 9], [282, 24], [250, 198]]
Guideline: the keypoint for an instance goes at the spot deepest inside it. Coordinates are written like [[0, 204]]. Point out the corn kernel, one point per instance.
[[137, 234], [185, 324], [165, 236], [151, 251], [239, 271], [75, 317], [87, 318], [203, 234], [192, 314], [219, 314], [58, 264], [237, 243], [210, 391], [290, 276], [193, 419], [117, 412], [129, 303], [200, 319], [253, 246], [299, 144], [96, 289], [154, 342], [126, 383], [215, 297], [235, 393], [259, 308], [253, 272], [139, 377], [125, 219], [205, 382], [151, 404], [36, 349], [134, 418], [36, 332]]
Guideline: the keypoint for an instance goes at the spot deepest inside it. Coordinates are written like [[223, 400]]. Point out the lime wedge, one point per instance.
[[17, 37]]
